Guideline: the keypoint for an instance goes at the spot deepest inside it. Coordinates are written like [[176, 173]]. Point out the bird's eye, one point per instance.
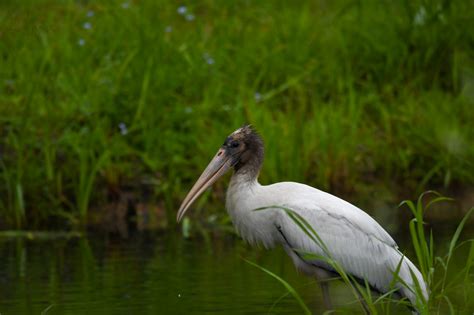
[[234, 144]]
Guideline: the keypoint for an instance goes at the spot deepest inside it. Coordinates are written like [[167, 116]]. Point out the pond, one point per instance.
[[158, 274]]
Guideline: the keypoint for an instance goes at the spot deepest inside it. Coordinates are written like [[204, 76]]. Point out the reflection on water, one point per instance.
[[163, 275], [150, 275]]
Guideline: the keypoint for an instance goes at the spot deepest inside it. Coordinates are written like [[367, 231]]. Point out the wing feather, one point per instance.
[[354, 239]]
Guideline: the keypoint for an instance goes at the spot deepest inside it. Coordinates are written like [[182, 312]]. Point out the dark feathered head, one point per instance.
[[242, 149]]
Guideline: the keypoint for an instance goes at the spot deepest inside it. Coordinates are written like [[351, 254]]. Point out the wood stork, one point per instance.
[[354, 239]]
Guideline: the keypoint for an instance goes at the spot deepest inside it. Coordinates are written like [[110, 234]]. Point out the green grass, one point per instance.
[[444, 283], [290, 289], [348, 95]]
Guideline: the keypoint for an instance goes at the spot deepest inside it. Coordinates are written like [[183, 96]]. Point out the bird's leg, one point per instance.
[[363, 302], [326, 298]]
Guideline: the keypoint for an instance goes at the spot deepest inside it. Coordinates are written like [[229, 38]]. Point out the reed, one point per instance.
[[99, 99]]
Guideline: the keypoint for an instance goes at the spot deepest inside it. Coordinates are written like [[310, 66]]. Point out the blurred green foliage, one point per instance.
[[102, 98]]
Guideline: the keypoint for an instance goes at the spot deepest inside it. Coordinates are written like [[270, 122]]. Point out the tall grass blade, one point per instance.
[[286, 285]]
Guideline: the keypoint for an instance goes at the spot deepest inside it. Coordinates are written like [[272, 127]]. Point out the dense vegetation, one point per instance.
[[122, 103]]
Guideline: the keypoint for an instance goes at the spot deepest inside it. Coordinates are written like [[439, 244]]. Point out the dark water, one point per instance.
[[163, 274]]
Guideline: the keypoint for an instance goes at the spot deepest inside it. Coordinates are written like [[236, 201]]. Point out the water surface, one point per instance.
[[162, 274]]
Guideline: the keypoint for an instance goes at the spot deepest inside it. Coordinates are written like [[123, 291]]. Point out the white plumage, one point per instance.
[[352, 238]]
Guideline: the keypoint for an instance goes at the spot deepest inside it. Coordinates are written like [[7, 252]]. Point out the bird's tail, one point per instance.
[[412, 283]]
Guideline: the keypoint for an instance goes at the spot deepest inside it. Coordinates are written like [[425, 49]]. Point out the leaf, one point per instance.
[[285, 284]]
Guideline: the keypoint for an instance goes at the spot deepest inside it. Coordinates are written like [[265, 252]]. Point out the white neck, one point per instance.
[[244, 196]]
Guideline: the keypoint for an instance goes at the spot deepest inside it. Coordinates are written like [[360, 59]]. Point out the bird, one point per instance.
[[347, 235]]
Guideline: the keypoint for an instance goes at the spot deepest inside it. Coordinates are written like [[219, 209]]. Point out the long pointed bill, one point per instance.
[[216, 168]]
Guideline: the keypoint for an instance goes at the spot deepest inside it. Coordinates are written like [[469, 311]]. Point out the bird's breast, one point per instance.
[[243, 201]]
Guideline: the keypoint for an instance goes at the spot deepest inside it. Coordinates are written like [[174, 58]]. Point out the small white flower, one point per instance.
[[420, 16], [123, 128], [209, 60], [168, 29], [125, 5], [90, 13], [182, 10], [81, 42], [87, 25], [258, 97], [190, 17]]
